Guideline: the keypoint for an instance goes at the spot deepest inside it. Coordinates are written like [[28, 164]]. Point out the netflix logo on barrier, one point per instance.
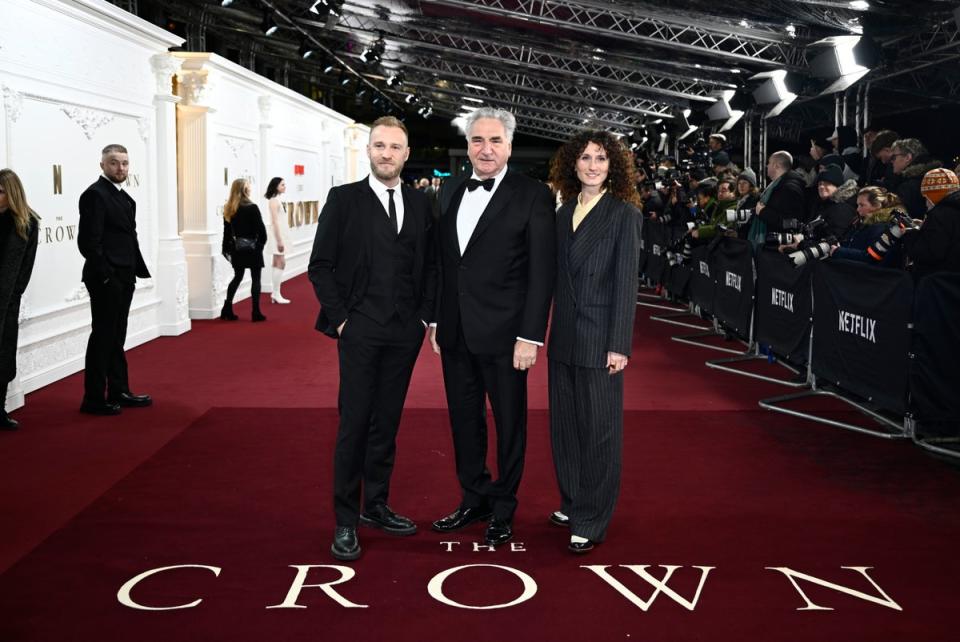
[[327, 576], [298, 170]]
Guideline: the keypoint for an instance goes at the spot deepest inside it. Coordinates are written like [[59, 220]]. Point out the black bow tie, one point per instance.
[[473, 184]]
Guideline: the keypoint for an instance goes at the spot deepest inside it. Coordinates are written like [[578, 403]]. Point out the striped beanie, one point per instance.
[[938, 183]]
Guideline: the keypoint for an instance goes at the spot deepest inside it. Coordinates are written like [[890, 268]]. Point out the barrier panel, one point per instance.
[[702, 286], [784, 306], [861, 330], [656, 243], [731, 263], [678, 280], [934, 370]]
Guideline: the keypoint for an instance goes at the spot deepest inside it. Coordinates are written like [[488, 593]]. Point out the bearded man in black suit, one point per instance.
[[497, 262], [373, 270], [107, 239]]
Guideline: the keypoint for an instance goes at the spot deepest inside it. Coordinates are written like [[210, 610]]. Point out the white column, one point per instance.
[[201, 237], [266, 145], [171, 273], [355, 147]]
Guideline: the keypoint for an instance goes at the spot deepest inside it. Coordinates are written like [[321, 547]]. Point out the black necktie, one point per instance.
[[392, 210], [473, 184]]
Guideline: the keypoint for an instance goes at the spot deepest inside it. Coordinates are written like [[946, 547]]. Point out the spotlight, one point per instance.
[[226, 3], [344, 78], [838, 63], [306, 49], [775, 91], [411, 99], [395, 80], [330, 68], [269, 25]]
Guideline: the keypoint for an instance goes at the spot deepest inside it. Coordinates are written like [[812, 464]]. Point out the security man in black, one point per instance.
[[107, 239]]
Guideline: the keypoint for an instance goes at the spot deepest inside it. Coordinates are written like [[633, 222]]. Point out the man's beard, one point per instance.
[[391, 173]]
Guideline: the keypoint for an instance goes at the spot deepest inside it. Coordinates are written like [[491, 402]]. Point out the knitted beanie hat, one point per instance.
[[831, 174], [748, 175], [938, 183]]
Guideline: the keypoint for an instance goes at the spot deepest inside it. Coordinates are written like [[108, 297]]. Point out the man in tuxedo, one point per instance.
[[374, 273], [497, 264], [107, 239]]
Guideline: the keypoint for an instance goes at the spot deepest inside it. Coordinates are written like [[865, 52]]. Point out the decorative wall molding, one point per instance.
[[12, 104], [164, 68], [193, 86], [89, 120]]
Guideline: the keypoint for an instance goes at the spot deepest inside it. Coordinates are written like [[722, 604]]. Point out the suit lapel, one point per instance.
[[591, 230], [564, 239], [449, 216], [496, 205]]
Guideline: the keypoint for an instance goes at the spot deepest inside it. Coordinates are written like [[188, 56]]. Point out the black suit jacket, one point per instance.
[[596, 296], [501, 287], [340, 263], [107, 234]]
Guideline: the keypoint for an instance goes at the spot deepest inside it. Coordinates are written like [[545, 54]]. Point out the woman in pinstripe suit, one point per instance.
[[591, 332]]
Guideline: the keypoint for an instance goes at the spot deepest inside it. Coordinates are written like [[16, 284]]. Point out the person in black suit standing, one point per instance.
[[598, 241], [107, 239], [497, 262], [374, 272], [244, 237]]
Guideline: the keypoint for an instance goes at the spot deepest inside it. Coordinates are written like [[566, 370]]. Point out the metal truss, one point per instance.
[[674, 32], [575, 114], [534, 55]]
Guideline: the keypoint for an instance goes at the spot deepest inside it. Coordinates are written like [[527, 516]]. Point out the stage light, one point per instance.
[[395, 79], [269, 25], [330, 68], [837, 63], [411, 99], [774, 91], [477, 87], [859, 5], [226, 3], [306, 49]]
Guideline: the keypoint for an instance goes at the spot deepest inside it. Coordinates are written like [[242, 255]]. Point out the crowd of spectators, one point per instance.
[[882, 199]]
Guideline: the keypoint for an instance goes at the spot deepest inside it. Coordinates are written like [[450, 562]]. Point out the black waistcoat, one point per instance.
[[390, 289]]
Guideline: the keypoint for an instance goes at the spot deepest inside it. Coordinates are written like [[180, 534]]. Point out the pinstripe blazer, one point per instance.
[[596, 291]]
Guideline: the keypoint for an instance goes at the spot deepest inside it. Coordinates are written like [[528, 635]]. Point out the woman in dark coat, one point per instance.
[[18, 248], [592, 328], [875, 208], [244, 236]]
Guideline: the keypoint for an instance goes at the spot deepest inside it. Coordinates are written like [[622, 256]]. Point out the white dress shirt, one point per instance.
[[381, 191], [119, 186], [472, 206]]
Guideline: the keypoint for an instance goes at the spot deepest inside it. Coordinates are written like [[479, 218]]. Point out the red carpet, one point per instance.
[[234, 471]]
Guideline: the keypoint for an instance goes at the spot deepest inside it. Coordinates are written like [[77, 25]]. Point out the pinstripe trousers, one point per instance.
[[586, 432]]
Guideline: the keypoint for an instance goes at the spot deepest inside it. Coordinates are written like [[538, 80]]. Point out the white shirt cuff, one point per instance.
[[536, 343], [433, 325]]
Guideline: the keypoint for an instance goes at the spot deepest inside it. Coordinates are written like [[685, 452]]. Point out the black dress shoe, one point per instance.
[[498, 532], [559, 519], [130, 400], [100, 408], [461, 518], [346, 545], [6, 423], [382, 517], [581, 547]]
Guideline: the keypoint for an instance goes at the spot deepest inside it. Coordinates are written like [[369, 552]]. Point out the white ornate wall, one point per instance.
[[77, 75], [356, 137], [233, 123]]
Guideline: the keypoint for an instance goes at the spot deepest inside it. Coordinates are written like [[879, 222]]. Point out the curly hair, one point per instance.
[[622, 177]]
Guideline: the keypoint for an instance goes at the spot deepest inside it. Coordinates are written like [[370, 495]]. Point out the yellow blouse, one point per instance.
[[583, 209]]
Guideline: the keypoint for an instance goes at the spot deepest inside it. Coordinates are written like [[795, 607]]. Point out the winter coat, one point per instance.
[[839, 212], [935, 247], [908, 189], [788, 202], [862, 235], [16, 265]]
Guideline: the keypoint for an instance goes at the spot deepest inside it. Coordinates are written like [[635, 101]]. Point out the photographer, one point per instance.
[[835, 214], [935, 246], [713, 206], [837, 201], [653, 205], [784, 198], [874, 238]]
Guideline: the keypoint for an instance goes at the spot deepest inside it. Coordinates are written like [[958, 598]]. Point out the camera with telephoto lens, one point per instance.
[[900, 222]]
